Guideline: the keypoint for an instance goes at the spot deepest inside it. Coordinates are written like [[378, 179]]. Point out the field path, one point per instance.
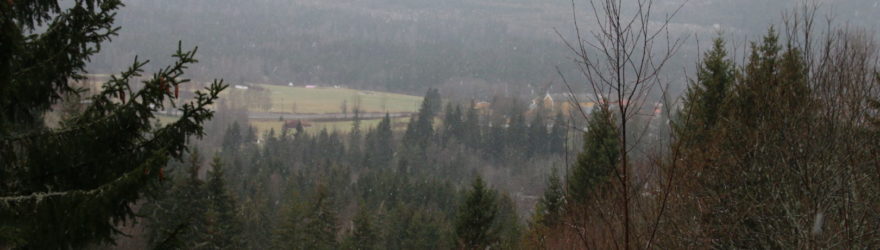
[[292, 116]]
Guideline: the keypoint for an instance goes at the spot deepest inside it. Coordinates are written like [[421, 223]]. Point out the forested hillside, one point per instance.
[[408, 46], [519, 138]]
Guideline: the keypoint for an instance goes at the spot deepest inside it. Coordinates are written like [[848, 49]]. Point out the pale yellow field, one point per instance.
[[324, 101], [329, 100]]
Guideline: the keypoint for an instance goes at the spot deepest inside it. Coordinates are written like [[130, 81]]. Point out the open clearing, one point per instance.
[[329, 100], [322, 100]]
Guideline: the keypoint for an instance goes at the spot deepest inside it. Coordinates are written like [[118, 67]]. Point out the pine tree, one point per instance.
[[413, 227], [420, 131], [517, 130], [457, 127], [538, 138], [476, 216], [705, 97], [365, 236], [596, 163], [289, 233], [192, 199], [69, 186], [471, 135], [307, 223], [549, 208], [224, 225], [232, 138], [355, 153], [558, 135], [451, 123], [494, 144], [548, 213], [506, 224], [380, 144], [756, 83], [770, 111], [320, 222], [179, 216], [384, 142], [432, 102]]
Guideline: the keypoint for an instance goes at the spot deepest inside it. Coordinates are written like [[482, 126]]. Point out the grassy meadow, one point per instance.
[[320, 101], [329, 100]]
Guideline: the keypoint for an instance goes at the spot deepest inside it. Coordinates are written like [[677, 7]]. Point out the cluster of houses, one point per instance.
[[549, 103]]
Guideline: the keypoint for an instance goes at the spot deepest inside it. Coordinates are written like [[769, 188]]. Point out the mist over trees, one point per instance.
[[409, 46], [525, 137]]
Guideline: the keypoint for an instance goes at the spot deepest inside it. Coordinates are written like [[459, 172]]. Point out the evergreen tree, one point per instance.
[[705, 97], [232, 139], [757, 82], [538, 138], [224, 225], [558, 135], [354, 139], [476, 216], [180, 215], [452, 123], [320, 222], [549, 208], [517, 130], [379, 144], [506, 224], [770, 111], [308, 224], [384, 144], [596, 163], [495, 141], [250, 135], [70, 185], [299, 129], [364, 236], [289, 233], [418, 135], [412, 226], [192, 198], [432, 102], [548, 213], [457, 127], [470, 133]]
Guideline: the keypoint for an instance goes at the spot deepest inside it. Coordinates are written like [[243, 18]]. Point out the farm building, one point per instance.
[[292, 124]]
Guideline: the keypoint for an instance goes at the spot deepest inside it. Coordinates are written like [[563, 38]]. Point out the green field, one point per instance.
[[329, 100]]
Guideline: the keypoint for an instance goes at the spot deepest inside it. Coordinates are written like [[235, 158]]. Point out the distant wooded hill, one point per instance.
[[402, 45]]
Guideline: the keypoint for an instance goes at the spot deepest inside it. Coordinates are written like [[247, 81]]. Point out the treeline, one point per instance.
[[370, 188], [779, 151], [776, 151]]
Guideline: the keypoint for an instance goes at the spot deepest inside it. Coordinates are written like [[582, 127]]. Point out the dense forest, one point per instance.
[[773, 145]]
